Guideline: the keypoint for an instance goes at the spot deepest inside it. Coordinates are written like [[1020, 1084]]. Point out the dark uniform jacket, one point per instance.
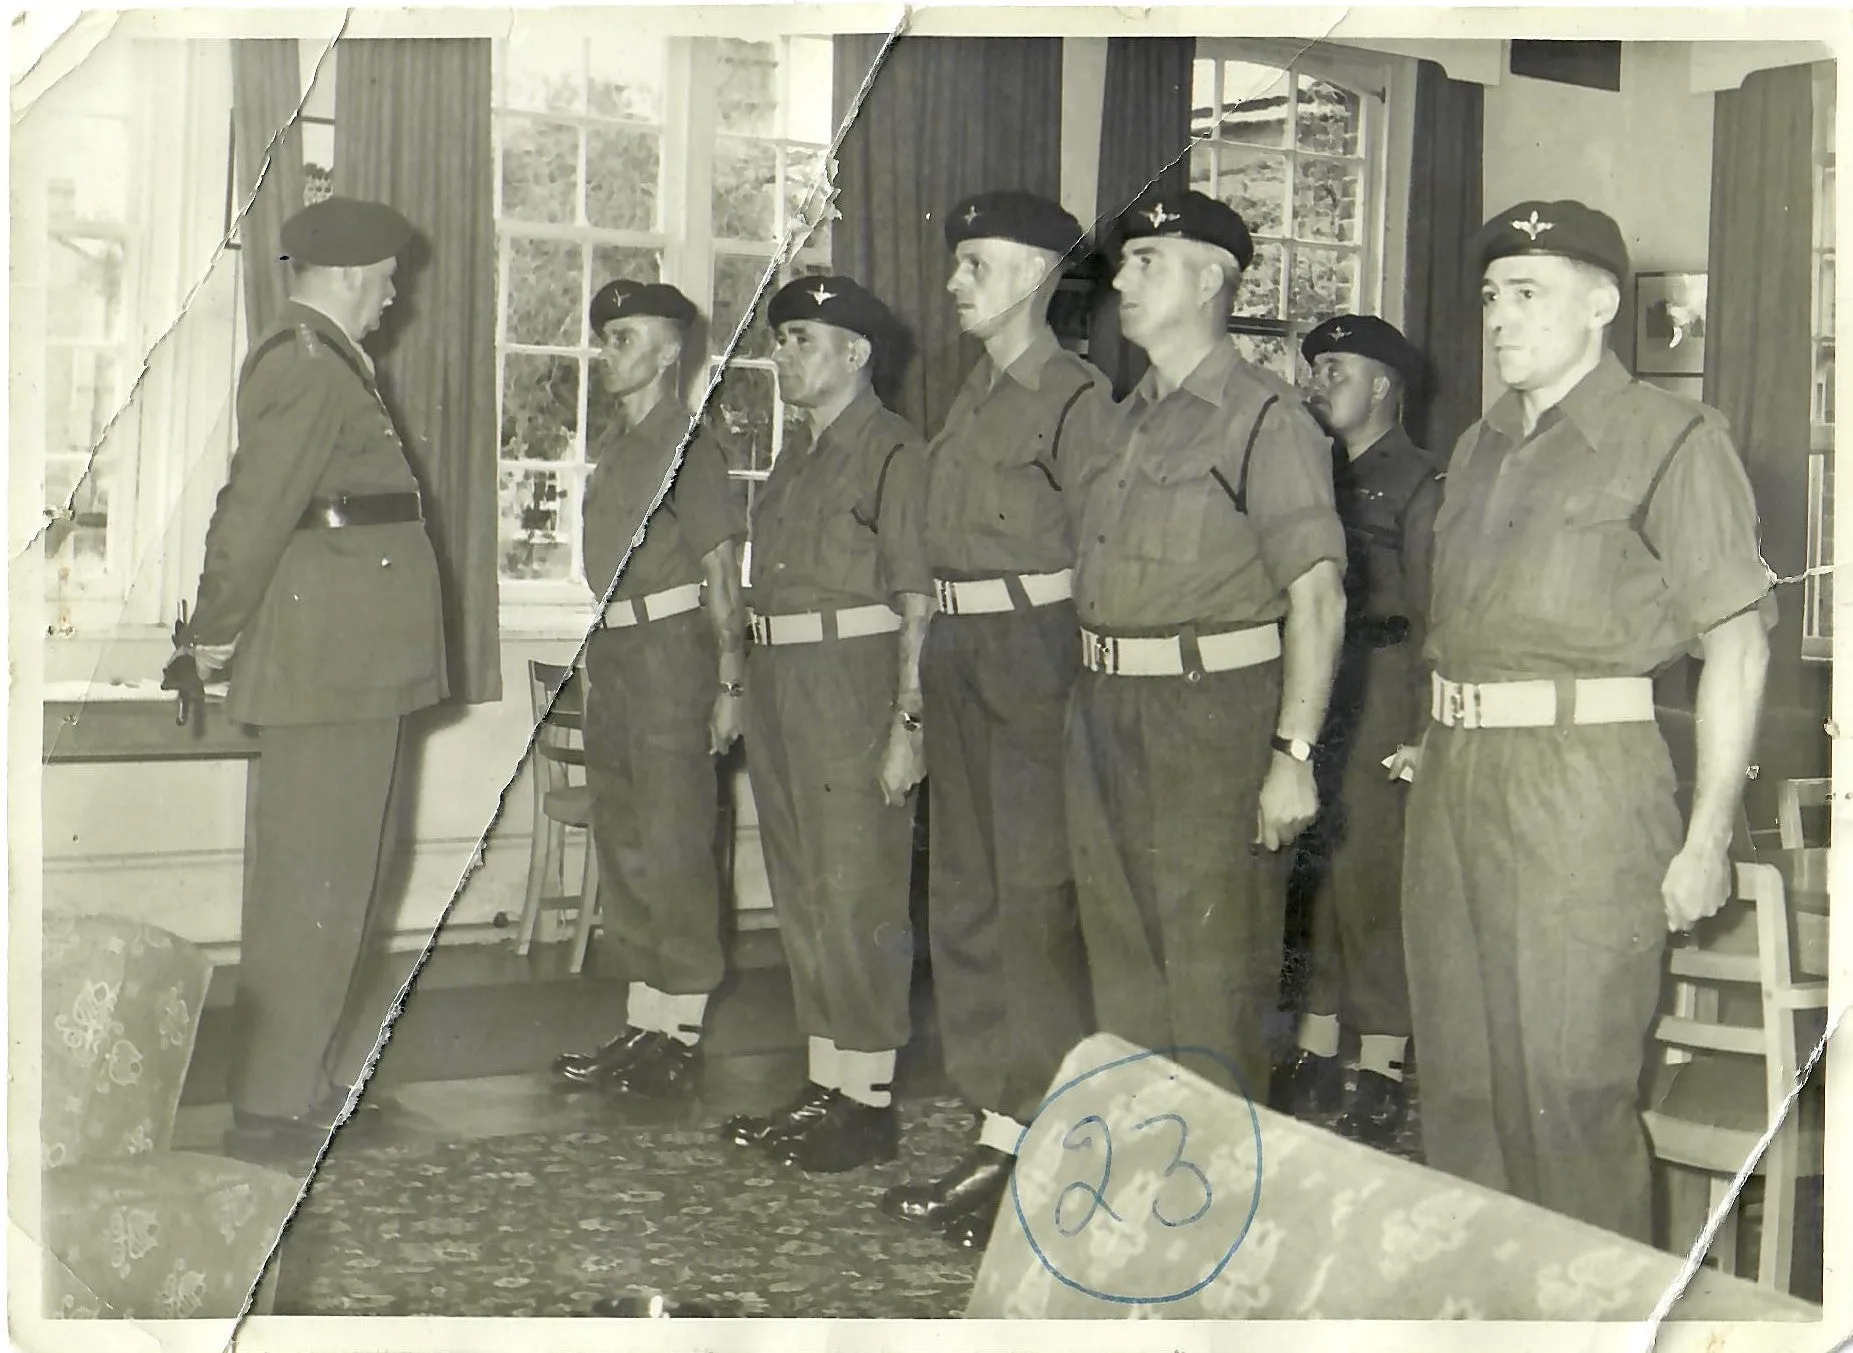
[[332, 625]]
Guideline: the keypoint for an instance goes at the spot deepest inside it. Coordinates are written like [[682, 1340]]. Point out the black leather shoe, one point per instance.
[[846, 1136], [974, 1184], [752, 1129], [1309, 1085], [588, 1068], [1376, 1111], [972, 1230], [662, 1067]]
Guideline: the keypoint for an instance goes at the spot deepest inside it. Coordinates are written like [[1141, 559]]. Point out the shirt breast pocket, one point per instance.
[[1177, 507], [1597, 543]]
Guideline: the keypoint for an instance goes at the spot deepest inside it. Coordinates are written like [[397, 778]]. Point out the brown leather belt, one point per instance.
[[361, 509]]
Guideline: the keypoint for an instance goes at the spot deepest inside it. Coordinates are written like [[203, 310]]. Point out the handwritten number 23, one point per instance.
[[1077, 1140]]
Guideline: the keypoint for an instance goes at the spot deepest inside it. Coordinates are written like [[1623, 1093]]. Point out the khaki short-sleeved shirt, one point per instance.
[[994, 473], [1160, 542], [838, 524], [1545, 564], [703, 509]]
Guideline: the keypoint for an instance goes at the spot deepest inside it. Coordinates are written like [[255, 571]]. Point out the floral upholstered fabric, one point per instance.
[[1142, 1192]]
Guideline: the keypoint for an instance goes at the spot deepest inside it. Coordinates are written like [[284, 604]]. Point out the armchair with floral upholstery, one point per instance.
[[130, 1227]]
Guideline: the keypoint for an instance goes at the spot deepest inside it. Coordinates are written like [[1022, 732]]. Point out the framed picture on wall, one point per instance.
[[1669, 324]]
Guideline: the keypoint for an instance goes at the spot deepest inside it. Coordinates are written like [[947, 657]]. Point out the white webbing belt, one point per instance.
[[1164, 656], [1533, 704]]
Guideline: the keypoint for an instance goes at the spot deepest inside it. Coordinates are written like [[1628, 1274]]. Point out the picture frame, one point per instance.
[[1669, 323]]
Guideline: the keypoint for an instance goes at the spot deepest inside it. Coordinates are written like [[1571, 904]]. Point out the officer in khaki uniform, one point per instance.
[[664, 665], [1388, 492], [1206, 520], [1593, 529], [319, 571], [1009, 975], [839, 597]]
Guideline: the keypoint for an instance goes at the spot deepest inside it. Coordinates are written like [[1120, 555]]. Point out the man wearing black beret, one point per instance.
[[664, 665], [1009, 975], [1388, 491], [1206, 533], [1593, 530], [319, 571], [839, 598]]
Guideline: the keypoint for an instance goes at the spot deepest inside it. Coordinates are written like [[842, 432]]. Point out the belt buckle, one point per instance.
[[1458, 708], [1105, 653], [762, 630], [947, 602]]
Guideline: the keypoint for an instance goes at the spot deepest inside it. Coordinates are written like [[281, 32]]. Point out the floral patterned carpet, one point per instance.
[[546, 1224]]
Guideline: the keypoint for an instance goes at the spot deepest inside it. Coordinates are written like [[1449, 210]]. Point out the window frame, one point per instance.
[[1817, 639]]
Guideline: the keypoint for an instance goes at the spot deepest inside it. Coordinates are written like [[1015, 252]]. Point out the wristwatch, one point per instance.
[[732, 688], [911, 722], [1297, 748]]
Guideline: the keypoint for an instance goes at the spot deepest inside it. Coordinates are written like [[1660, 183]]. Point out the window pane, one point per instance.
[[1202, 98], [1254, 104], [540, 406], [742, 413], [810, 83], [807, 195], [1203, 168], [1259, 294], [1826, 198], [1328, 200], [84, 290], [746, 86], [623, 171], [745, 177], [540, 170], [627, 78], [1824, 382], [612, 261], [80, 398], [1328, 118], [1267, 351], [531, 530], [1325, 282], [542, 73], [91, 182], [1827, 296], [546, 285], [736, 286], [1254, 182]]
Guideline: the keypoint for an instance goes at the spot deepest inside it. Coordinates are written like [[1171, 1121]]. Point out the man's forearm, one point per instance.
[[916, 611], [722, 602], [1315, 630], [1730, 697]]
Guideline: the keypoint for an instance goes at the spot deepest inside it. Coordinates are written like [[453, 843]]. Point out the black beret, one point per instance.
[[1367, 336], [1190, 216], [624, 298], [1014, 215], [1566, 229], [838, 301], [344, 232]]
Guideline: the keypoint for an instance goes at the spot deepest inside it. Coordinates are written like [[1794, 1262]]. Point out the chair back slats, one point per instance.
[[1684, 1032], [1792, 799]]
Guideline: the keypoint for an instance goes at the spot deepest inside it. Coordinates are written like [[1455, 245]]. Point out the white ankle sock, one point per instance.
[[825, 1063], [1319, 1034], [682, 1016], [868, 1077], [1000, 1132], [644, 1009], [1382, 1053]]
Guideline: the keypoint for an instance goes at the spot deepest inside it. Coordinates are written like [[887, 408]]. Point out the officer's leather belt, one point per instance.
[[813, 627], [1377, 631], [1541, 704], [990, 596], [656, 606], [1165, 656], [360, 509]]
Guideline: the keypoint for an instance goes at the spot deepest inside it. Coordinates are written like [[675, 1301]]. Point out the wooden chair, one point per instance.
[[560, 804], [1792, 799], [1722, 1084]]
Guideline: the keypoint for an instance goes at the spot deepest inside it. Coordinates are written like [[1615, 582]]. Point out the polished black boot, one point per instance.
[[589, 1068], [973, 1185], [846, 1136], [768, 1130], [1376, 1111], [662, 1068], [1308, 1085]]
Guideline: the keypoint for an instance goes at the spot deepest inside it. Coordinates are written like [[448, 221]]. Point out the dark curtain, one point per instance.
[[266, 87], [412, 129], [945, 117], [1144, 139], [1757, 371], [1441, 304]]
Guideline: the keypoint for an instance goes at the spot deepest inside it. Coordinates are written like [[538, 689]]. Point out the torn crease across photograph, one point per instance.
[[854, 668]]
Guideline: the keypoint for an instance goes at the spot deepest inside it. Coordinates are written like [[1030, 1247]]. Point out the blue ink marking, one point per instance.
[[1097, 1192]]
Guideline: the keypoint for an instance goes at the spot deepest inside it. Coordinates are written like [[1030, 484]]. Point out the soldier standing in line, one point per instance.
[[1388, 490], [839, 600], [1009, 974], [665, 667]]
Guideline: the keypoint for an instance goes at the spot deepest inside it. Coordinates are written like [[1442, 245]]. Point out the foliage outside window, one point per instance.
[[690, 161], [1817, 591], [1296, 145]]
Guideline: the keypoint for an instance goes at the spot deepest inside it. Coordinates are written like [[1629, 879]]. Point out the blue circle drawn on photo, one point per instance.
[[1097, 1192]]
